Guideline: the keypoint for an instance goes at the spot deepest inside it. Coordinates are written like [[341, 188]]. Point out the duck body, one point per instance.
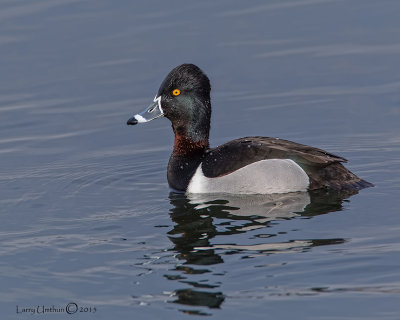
[[250, 165]]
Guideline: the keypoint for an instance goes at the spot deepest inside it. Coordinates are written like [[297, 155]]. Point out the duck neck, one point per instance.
[[185, 158], [185, 146]]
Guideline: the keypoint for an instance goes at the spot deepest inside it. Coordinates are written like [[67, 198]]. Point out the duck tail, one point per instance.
[[358, 184]]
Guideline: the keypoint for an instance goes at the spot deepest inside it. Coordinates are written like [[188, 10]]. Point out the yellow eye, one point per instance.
[[176, 92]]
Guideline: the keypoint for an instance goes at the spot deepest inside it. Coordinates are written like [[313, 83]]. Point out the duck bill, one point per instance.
[[154, 111]]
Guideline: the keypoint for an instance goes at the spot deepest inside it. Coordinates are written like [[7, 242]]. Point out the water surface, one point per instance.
[[87, 216]]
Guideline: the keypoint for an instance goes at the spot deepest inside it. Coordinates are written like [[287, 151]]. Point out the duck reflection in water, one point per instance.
[[201, 217]]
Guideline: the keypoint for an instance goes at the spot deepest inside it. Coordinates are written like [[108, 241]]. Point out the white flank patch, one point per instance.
[[261, 177]]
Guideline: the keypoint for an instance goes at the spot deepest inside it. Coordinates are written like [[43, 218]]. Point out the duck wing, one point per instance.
[[323, 168]]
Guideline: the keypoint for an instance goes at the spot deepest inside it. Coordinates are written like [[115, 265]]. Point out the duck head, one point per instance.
[[183, 98]]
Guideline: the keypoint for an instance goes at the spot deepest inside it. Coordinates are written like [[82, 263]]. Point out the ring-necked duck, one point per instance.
[[246, 165]]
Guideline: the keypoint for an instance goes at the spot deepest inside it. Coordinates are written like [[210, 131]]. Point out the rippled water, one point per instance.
[[87, 216]]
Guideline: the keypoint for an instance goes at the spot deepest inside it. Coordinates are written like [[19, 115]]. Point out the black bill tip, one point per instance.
[[132, 121]]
